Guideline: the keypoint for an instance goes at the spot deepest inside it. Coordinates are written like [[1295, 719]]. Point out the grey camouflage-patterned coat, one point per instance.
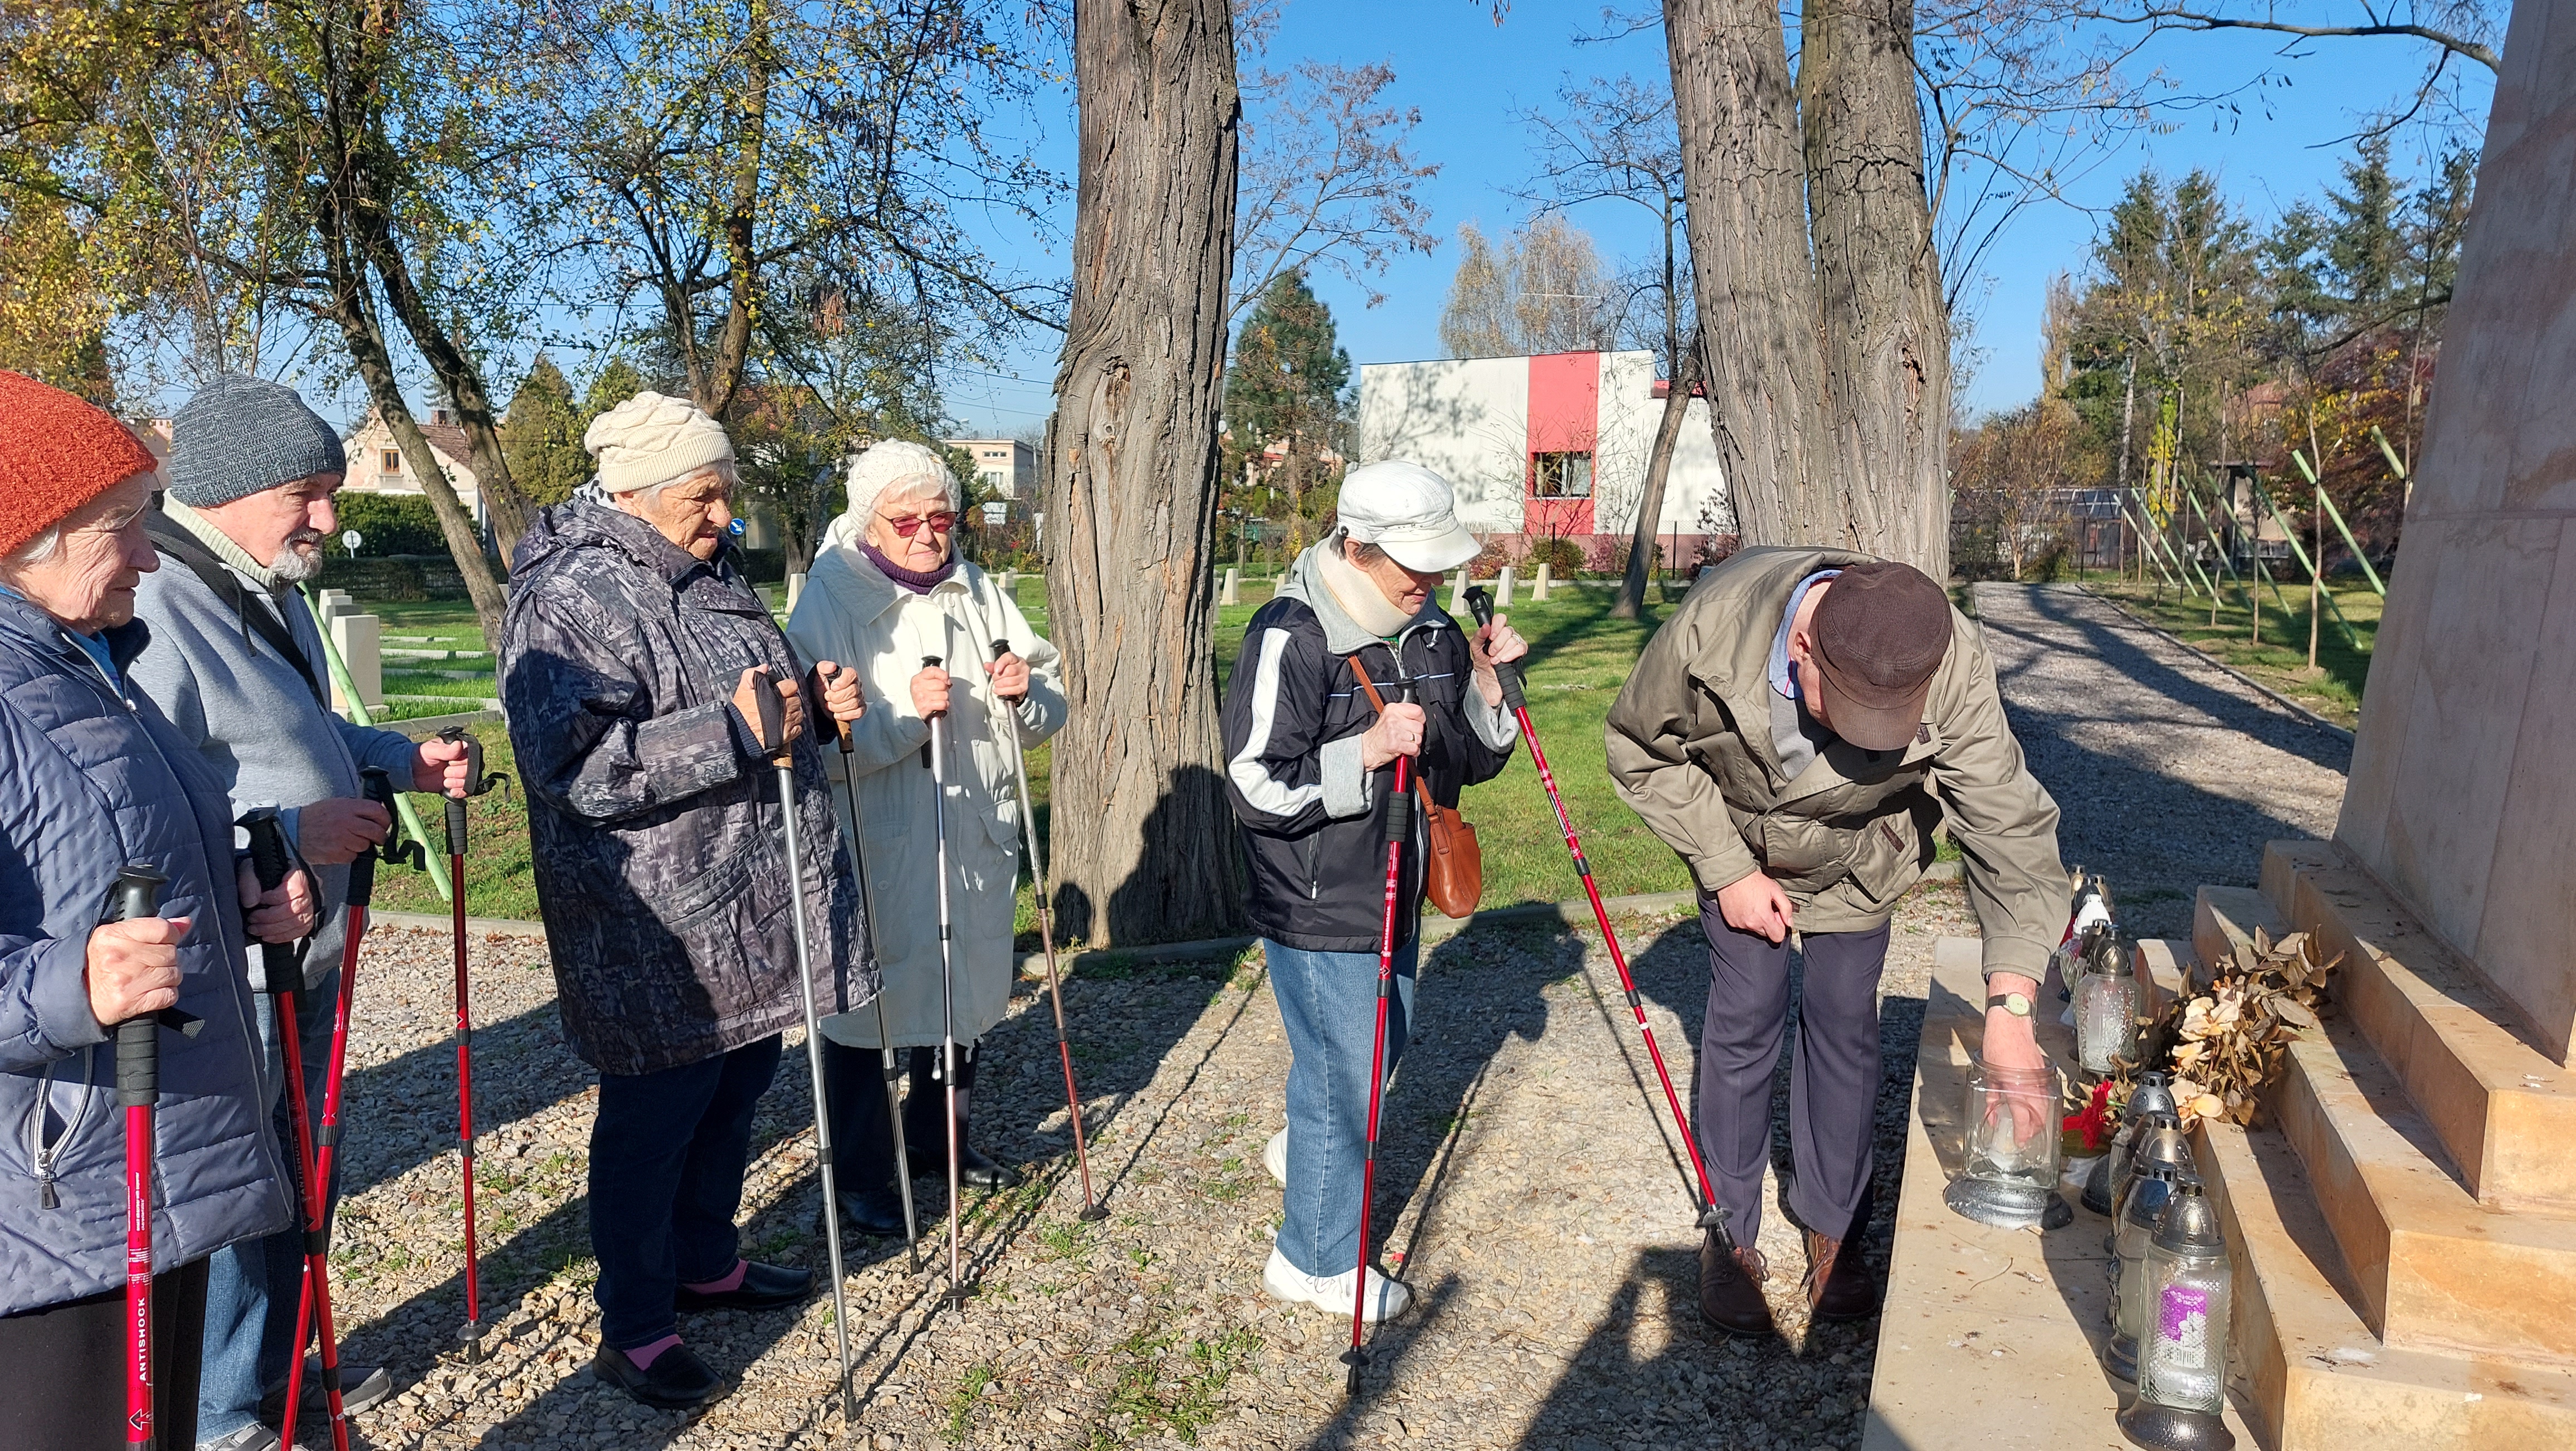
[[654, 831]]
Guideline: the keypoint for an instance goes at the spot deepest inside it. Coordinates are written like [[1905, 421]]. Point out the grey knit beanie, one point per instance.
[[241, 435]]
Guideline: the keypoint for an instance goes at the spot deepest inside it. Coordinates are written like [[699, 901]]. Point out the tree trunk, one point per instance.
[[1758, 309], [1886, 331], [742, 269], [1143, 840], [1659, 467]]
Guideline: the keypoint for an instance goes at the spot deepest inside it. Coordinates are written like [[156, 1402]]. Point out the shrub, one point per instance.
[[391, 523], [1563, 557]]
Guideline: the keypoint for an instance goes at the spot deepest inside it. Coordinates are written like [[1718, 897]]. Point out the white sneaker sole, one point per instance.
[[1274, 1157]]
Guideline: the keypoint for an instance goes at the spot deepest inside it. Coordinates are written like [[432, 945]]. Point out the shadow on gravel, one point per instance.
[[402, 1113]]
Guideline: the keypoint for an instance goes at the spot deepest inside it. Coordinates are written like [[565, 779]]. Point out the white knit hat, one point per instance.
[[652, 439], [898, 466]]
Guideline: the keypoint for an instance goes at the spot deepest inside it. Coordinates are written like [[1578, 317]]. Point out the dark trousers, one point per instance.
[[1833, 1080], [862, 1139], [667, 1154], [66, 1368]]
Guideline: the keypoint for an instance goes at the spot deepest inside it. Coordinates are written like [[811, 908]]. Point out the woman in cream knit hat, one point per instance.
[[888, 589]]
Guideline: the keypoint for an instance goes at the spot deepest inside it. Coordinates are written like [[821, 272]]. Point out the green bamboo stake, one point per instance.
[[2160, 549], [2150, 551], [2308, 564], [2225, 564], [358, 714], [2377, 587]]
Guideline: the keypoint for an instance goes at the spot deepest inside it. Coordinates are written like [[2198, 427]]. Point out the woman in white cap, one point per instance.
[[887, 591], [1309, 766]]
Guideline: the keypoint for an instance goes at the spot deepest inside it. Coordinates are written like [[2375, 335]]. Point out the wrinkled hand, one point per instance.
[[1398, 732], [1754, 903], [2012, 1042], [1494, 643], [437, 766], [330, 832], [1010, 677], [930, 692], [746, 701], [838, 685], [283, 913], [133, 968]]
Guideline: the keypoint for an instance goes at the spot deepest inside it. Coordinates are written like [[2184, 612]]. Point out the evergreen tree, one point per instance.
[[1284, 389], [541, 436]]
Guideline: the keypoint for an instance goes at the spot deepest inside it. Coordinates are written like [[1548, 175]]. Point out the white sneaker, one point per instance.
[[1333, 1293], [1274, 1157]]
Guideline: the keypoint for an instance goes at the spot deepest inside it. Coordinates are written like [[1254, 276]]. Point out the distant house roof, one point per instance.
[[445, 436]]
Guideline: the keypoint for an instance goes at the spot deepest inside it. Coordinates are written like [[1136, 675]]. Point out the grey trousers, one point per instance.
[[1833, 1079]]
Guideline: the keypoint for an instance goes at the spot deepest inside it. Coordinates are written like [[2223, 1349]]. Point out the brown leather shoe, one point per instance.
[[1730, 1289], [1838, 1287]]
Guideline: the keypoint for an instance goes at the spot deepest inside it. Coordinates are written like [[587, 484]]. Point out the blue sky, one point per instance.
[[1467, 76]]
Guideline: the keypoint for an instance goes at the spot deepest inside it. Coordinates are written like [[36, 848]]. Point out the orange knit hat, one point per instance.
[[56, 454]]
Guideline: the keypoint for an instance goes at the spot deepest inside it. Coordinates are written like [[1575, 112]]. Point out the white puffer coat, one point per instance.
[[852, 614]]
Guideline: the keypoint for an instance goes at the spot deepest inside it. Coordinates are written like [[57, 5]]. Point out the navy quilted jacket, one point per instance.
[[654, 833], [91, 782]]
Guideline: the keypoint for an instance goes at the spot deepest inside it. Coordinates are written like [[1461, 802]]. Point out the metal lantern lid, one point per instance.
[[2163, 1147], [2153, 1095], [2190, 1225]]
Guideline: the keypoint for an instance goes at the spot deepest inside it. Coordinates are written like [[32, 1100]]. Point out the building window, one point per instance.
[[1561, 475], [393, 461]]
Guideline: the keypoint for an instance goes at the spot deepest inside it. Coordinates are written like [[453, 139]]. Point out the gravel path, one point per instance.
[[1527, 1192], [2170, 771]]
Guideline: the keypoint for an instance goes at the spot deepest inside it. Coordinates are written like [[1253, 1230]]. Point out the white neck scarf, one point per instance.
[[1358, 595]]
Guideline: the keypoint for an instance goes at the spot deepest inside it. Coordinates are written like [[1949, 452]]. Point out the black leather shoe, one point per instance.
[[974, 1168], [677, 1381], [874, 1212], [763, 1287]]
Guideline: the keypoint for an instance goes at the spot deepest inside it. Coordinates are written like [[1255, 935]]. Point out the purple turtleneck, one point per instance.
[[913, 580]]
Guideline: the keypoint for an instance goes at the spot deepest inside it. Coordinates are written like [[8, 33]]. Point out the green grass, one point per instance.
[[2333, 690], [1579, 659]]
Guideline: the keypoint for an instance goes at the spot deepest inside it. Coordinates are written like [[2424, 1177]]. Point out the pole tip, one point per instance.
[[1093, 1213]]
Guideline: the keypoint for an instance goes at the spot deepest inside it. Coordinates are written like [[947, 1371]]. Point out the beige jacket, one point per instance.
[[1690, 750], [851, 613]]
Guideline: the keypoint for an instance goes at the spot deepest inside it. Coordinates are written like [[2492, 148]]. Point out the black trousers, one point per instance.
[[66, 1368], [862, 1140], [1833, 1079], [667, 1154]]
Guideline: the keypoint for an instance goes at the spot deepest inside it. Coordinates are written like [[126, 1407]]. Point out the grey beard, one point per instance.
[[294, 566]]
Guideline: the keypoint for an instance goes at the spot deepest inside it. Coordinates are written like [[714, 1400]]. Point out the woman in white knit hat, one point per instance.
[[887, 590], [632, 662]]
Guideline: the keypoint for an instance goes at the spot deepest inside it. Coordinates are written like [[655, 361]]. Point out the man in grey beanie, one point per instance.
[[235, 661]]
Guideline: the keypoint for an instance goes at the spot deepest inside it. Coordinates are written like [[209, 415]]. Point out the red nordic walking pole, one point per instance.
[[1092, 1209], [326, 1135], [138, 1091], [285, 968], [1399, 828], [1712, 1216], [470, 1335]]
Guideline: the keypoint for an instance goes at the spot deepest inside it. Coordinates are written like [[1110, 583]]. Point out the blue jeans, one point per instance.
[[1328, 1002], [252, 1288], [667, 1154]]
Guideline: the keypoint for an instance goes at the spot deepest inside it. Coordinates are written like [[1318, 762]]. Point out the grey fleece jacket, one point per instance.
[[231, 696]]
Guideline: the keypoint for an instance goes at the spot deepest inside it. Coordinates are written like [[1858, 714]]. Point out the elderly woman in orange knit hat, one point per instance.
[[97, 780]]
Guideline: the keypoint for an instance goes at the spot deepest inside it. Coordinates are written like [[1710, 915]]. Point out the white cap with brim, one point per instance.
[[1408, 511]]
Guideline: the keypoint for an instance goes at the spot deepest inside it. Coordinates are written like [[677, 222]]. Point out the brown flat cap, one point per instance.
[[1881, 631]]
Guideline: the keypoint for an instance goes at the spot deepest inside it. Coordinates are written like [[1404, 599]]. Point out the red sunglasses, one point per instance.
[[940, 523]]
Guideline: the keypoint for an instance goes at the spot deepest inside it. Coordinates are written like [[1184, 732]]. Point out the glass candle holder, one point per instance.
[[2182, 1362], [2009, 1160], [2106, 1020]]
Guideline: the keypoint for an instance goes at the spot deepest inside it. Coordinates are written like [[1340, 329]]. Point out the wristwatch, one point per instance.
[[2016, 1004]]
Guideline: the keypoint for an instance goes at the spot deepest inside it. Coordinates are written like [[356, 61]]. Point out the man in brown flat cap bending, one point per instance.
[[1795, 731]]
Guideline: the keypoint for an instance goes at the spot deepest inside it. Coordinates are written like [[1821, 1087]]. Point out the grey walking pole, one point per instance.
[[773, 736], [885, 1040], [1092, 1209], [935, 756]]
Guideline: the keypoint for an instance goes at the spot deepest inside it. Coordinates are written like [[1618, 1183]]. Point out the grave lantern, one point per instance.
[[2163, 1162], [2008, 1170], [2182, 1363], [2152, 1096]]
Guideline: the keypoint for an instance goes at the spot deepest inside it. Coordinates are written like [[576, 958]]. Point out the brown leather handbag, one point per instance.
[[1454, 869]]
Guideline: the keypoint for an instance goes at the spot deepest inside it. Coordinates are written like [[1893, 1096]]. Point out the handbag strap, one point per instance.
[[1421, 787]]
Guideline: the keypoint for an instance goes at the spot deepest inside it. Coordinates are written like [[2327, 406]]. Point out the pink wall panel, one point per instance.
[[1564, 415]]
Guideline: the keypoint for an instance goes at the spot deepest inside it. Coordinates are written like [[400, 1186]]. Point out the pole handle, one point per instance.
[[137, 894], [1480, 603], [773, 715], [267, 845], [929, 662]]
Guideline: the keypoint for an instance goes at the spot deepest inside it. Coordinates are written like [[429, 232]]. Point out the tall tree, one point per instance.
[[1543, 291], [1143, 847], [541, 435], [1477, 320], [1284, 387], [1328, 178], [1614, 141]]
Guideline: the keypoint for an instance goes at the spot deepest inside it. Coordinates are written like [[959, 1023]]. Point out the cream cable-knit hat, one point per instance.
[[652, 439]]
